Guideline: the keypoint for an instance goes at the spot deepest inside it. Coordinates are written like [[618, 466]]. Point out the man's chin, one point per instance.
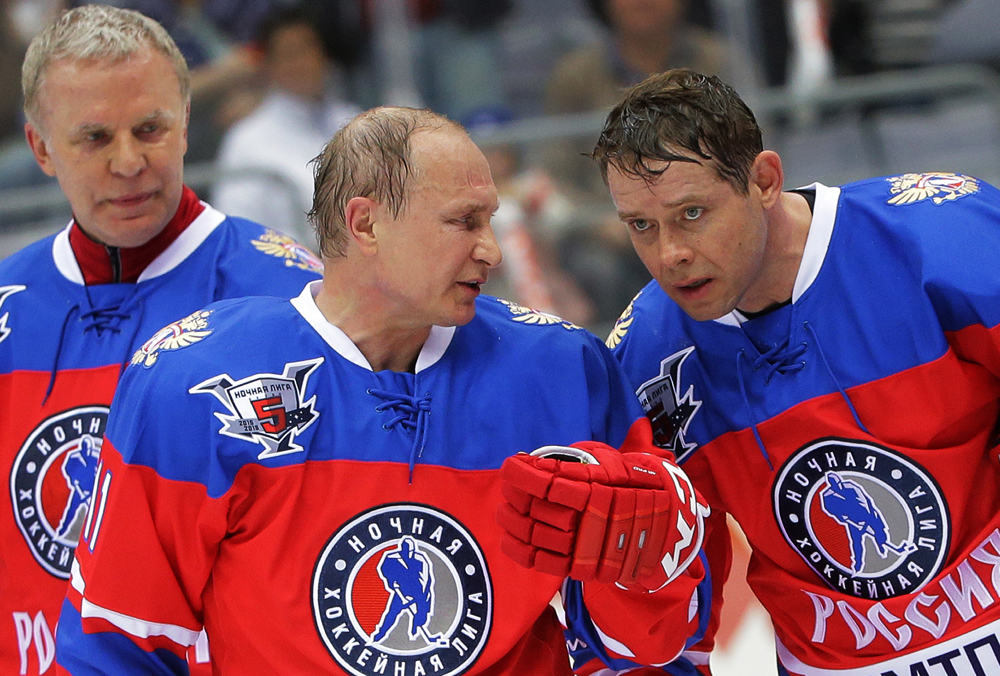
[[128, 233]]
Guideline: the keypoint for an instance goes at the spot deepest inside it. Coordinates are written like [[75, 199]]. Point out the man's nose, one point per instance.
[[128, 157], [487, 248]]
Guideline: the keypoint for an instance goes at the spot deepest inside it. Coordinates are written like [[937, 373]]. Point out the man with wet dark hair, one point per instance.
[[825, 363]]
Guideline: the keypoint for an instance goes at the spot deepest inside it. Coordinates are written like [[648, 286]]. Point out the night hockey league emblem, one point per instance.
[[51, 483], [869, 521], [403, 589], [266, 408], [669, 411], [294, 254], [526, 315], [6, 292], [938, 187], [188, 331]]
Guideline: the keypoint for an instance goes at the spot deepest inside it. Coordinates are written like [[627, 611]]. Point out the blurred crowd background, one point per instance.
[[844, 89]]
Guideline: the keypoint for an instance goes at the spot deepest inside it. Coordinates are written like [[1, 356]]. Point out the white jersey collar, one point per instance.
[[431, 352], [175, 254], [817, 244]]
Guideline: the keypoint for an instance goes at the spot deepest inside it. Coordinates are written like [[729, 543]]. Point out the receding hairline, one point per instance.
[[96, 34]]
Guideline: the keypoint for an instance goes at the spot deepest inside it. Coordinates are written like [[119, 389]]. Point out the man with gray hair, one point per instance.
[[107, 98], [339, 462]]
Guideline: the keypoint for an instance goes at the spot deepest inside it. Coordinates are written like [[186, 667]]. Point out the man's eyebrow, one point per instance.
[[158, 114], [471, 206], [89, 127]]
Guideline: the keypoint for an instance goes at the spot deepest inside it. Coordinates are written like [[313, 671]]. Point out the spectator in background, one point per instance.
[[533, 218], [274, 145], [645, 37], [458, 54], [11, 53], [18, 24]]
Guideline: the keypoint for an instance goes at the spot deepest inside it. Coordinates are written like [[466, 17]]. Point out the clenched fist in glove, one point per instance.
[[592, 512]]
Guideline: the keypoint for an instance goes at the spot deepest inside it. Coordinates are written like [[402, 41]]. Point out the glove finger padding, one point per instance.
[[594, 513]]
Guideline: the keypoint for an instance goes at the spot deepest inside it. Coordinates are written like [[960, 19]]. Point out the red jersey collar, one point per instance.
[[102, 264]]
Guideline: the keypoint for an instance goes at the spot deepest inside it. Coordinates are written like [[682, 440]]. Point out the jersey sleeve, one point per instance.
[[963, 282], [134, 604]]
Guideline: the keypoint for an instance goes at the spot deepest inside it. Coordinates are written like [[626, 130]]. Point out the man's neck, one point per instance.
[[103, 264], [788, 230], [386, 345]]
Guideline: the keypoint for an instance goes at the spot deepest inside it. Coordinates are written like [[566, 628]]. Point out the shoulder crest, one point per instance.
[[188, 331], [275, 244], [939, 187], [526, 315]]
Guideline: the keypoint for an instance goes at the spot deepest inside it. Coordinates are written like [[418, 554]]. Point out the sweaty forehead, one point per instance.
[[447, 157]]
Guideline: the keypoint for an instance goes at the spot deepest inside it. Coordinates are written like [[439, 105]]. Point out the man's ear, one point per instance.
[[360, 216], [187, 121], [768, 176], [39, 149]]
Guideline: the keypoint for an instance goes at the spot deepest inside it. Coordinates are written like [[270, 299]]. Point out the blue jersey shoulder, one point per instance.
[[24, 265], [936, 232], [245, 237]]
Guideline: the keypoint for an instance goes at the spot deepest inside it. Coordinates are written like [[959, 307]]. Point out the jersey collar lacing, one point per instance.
[[102, 264], [410, 413], [783, 359]]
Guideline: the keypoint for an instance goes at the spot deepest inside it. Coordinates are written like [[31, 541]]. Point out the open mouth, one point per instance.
[[694, 286]]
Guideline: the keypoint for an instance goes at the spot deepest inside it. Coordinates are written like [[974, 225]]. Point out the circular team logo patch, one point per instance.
[[403, 588], [868, 520], [51, 482]]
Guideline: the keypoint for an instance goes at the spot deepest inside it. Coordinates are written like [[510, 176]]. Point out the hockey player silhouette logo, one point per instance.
[[406, 585], [867, 519], [669, 411], [51, 483], [848, 504], [409, 579], [79, 468]]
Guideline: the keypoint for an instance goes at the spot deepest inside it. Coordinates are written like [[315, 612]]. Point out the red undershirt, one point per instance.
[[103, 264]]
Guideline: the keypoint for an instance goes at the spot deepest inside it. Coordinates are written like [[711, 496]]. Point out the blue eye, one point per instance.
[[640, 225], [693, 213]]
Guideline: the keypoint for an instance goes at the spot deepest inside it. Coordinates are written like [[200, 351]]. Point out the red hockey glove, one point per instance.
[[592, 512]]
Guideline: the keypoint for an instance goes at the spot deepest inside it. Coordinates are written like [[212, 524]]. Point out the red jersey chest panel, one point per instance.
[[50, 454]]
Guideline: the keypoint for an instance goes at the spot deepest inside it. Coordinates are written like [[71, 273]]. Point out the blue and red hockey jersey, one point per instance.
[[62, 347], [853, 433], [319, 517]]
